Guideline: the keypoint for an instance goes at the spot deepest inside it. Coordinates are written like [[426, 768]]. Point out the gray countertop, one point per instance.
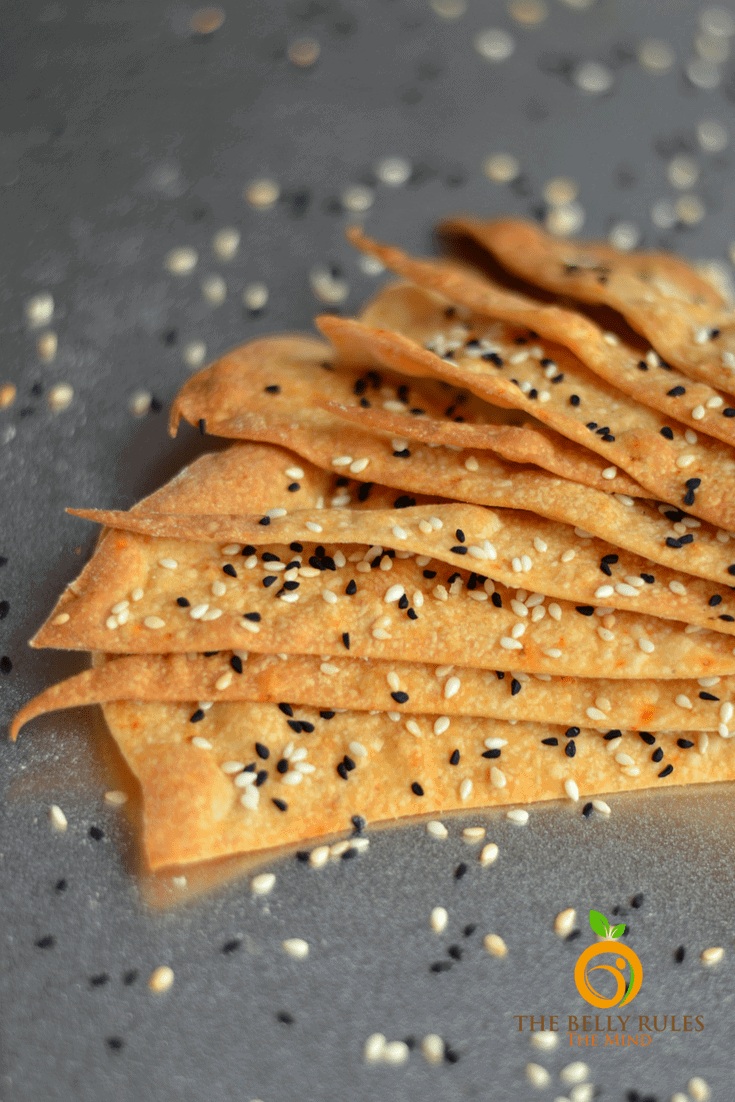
[[124, 136]]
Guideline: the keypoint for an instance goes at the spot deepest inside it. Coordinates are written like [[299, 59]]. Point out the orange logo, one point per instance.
[[625, 992]]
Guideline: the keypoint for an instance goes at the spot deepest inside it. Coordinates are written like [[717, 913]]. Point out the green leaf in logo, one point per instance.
[[617, 931], [599, 923]]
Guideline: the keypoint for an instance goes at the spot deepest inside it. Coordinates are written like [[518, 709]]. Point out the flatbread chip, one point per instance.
[[363, 765], [673, 307], [371, 684], [164, 595], [673, 462], [231, 388], [508, 546], [279, 384]]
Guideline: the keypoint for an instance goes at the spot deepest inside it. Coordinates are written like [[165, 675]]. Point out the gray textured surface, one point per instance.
[[97, 98]]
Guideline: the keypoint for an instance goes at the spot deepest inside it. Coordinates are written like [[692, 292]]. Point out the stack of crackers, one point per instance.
[[472, 549]]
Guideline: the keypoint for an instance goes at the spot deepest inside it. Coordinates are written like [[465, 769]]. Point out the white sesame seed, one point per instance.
[[57, 818], [432, 1048], [226, 242], [441, 724], [413, 728], [685, 460], [601, 806], [154, 622], [439, 918], [161, 979], [537, 1076], [121, 606], [726, 711], [568, 555], [698, 413], [624, 759], [471, 835], [471, 463], [394, 593], [712, 956], [497, 777], [697, 1087], [232, 766], [115, 798], [329, 669], [330, 597], [181, 261], [359, 465], [436, 829], [212, 614], [683, 701], [218, 588], [40, 309], [244, 780], [626, 590], [60, 396], [517, 631], [495, 45], [198, 611], [313, 526], [374, 1046], [294, 776], [610, 472], [488, 854], [296, 947], [357, 749], [678, 588], [604, 591], [544, 1039], [452, 687], [575, 1072], [517, 815], [111, 623], [583, 1092], [399, 532], [263, 883], [571, 789], [250, 798], [465, 789], [201, 743], [510, 644], [564, 922], [495, 945], [395, 1052], [380, 633], [224, 681], [262, 193]]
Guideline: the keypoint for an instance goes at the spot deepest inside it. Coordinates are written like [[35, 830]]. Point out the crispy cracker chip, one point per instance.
[[580, 406], [285, 383], [509, 546], [362, 765], [371, 684], [232, 385], [165, 595], [660, 297]]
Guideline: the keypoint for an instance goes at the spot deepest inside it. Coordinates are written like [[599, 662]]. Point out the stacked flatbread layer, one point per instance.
[[462, 555]]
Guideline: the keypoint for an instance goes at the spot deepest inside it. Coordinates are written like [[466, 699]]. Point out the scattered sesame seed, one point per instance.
[[517, 815], [495, 945], [564, 922], [439, 919], [116, 798], [712, 956], [395, 1052], [296, 947], [544, 1039], [57, 818], [537, 1076], [436, 829], [201, 743], [571, 789], [263, 883], [60, 396], [698, 1089], [161, 979], [488, 854], [465, 789], [432, 1048], [374, 1048], [575, 1072]]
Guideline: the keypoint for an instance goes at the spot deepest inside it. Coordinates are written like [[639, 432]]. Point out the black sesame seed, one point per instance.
[[458, 550], [637, 900], [615, 733], [197, 716], [130, 977], [96, 833], [182, 602], [454, 757], [236, 663], [676, 391], [403, 602], [440, 966], [346, 639], [647, 737], [295, 725], [728, 412], [587, 810], [269, 580], [99, 980], [550, 741], [273, 389], [228, 568], [429, 573], [210, 653], [460, 536], [262, 751], [202, 426], [574, 400], [667, 432], [417, 789], [341, 769], [679, 954], [405, 501], [642, 365], [460, 870], [231, 946], [731, 569], [491, 753], [60, 885], [364, 491], [403, 454], [657, 754], [571, 732], [455, 952], [46, 942], [515, 687], [293, 487], [671, 542], [708, 696], [359, 823], [298, 547], [400, 697], [666, 771], [114, 1043], [5, 664], [282, 765], [349, 764], [727, 618], [308, 727], [500, 674], [688, 538], [585, 610], [280, 804], [684, 743], [283, 1015], [265, 521], [570, 749], [492, 358], [716, 599], [412, 614], [609, 559], [592, 425], [648, 578], [261, 777], [254, 617], [327, 715]]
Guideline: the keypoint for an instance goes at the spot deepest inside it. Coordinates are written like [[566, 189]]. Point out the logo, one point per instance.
[[625, 992]]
